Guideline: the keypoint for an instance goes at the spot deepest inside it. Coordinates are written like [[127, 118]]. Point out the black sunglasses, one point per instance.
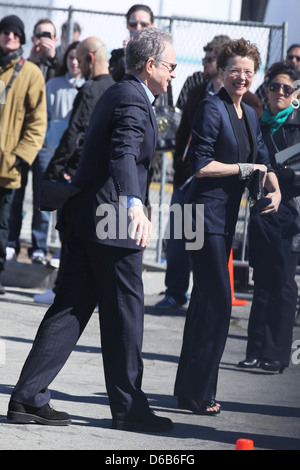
[[291, 57], [134, 23], [7, 33], [208, 60], [275, 87], [172, 66]]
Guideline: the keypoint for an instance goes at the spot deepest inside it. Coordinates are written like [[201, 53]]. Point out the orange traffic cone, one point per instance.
[[244, 444], [234, 301]]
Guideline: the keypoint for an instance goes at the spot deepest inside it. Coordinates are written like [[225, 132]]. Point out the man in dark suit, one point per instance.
[[92, 58], [107, 230]]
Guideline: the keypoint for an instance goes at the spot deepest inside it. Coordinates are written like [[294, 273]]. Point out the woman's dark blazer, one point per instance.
[[216, 135]]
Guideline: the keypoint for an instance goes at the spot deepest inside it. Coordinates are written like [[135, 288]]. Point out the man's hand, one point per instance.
[[140, 228], [42, 48], [47, 46]]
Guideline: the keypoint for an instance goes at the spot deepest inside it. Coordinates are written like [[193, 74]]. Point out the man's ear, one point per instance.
[[149, 65], [90, 58]]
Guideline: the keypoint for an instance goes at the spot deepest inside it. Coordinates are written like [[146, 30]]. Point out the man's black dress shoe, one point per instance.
[[45, 415], [144, 422], [249, 363], [271, 366]]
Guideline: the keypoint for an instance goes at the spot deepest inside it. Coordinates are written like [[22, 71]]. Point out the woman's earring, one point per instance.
[[295, 103]]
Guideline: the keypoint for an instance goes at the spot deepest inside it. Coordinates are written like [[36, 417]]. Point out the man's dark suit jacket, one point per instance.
[[216, 135], [116, 159]]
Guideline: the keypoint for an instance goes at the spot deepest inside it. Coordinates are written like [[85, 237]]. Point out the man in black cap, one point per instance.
[[14, 24], [23, 118]]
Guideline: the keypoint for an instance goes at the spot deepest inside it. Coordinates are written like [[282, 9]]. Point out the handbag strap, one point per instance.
[[16, 71]]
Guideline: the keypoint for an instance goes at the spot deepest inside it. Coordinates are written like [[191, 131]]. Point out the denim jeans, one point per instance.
[[6, 196], [178, 264], [40, 219]]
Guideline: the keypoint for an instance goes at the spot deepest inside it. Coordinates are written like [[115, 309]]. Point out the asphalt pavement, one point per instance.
[[256, 405]]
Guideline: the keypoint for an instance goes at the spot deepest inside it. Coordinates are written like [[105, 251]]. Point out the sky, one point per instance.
[[279, 11]]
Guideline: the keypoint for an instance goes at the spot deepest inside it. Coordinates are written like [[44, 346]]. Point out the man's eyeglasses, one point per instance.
[[171, 67], [208, 60], [275, 87], [135, 23], [291, 57], [235, 73]]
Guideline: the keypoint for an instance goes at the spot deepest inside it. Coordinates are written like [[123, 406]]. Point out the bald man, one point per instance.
[[92, 57]]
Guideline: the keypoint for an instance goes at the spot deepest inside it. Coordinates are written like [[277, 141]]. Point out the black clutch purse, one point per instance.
[[255, 187]]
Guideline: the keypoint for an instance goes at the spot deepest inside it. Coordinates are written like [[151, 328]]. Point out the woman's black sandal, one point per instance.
[[199, 408]]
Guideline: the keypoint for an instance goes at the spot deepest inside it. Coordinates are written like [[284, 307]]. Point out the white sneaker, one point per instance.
[[45, 298], [38, 257], [55, 260], [10, 254]]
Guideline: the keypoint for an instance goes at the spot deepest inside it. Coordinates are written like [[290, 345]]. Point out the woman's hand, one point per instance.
[[274, 194], [264, 169]]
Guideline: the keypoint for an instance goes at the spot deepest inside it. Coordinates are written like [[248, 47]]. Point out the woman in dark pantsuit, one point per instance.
[[226, 148]]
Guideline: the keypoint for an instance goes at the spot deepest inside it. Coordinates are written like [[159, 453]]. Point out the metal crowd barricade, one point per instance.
[[190, 35]]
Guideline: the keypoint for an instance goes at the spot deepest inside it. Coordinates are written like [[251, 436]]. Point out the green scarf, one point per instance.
[[274, 122]]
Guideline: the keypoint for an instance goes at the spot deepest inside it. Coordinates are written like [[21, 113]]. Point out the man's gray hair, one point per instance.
[[145, 44]]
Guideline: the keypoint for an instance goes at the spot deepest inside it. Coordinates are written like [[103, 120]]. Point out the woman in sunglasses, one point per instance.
[[137, 17], [272, 314]]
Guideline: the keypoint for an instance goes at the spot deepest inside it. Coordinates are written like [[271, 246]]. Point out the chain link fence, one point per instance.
[[189, 36]]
